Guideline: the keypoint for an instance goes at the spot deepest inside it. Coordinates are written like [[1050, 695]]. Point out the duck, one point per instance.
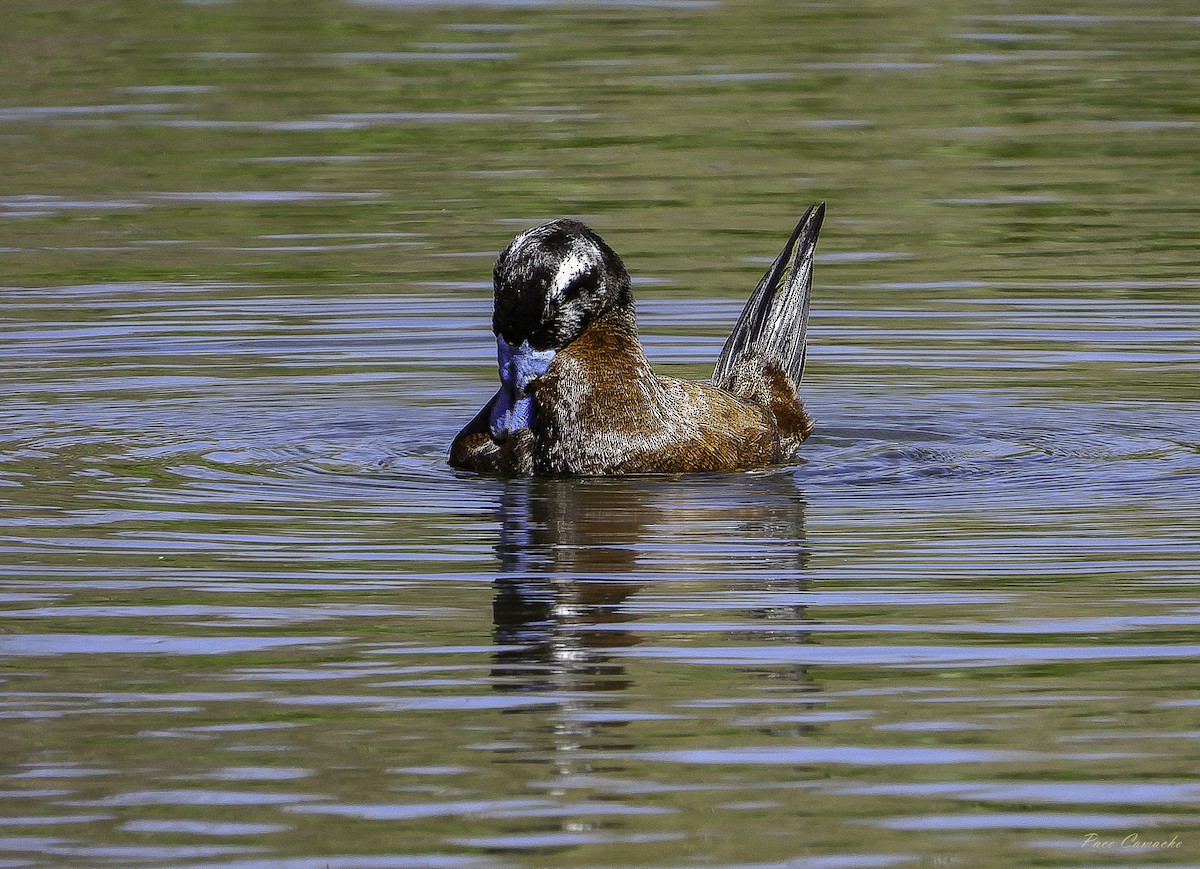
[[578, 397]]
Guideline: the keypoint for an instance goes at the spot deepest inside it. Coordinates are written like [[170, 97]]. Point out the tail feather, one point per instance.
[[774, 323]]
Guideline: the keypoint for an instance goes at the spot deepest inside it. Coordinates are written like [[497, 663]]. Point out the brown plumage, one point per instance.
[[578, 396]]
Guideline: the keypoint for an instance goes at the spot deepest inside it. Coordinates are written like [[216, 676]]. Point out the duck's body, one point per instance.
[[578, 396]]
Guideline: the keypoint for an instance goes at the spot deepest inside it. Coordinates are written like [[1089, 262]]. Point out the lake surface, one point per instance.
[[251, 619]]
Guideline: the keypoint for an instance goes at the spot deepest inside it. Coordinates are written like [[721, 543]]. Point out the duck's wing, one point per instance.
[[774, 323]]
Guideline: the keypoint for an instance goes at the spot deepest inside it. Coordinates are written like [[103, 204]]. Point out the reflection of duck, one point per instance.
[[579, 563], [573, 552], [567, 549], [577, 394]]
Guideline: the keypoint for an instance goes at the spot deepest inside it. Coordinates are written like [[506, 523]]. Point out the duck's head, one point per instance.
[[550, 283]]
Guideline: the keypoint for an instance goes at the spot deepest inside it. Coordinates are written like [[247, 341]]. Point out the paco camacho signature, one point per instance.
[[1131, 842]]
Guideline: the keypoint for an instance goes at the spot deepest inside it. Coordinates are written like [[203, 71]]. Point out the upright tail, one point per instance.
[[774, 323]]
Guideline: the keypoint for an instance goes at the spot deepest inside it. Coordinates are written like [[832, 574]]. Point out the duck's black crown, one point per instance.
[[552, 281]]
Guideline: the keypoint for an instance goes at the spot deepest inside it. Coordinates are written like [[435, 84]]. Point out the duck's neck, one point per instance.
[[611, 339], [607, 360]]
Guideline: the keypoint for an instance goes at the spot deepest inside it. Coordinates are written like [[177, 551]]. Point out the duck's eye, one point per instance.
[[578, 285]]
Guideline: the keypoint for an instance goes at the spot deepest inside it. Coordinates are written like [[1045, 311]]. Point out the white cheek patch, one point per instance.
[[582, 258]]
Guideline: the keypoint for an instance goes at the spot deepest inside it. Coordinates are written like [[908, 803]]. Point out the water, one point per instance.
[[251, 619]]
